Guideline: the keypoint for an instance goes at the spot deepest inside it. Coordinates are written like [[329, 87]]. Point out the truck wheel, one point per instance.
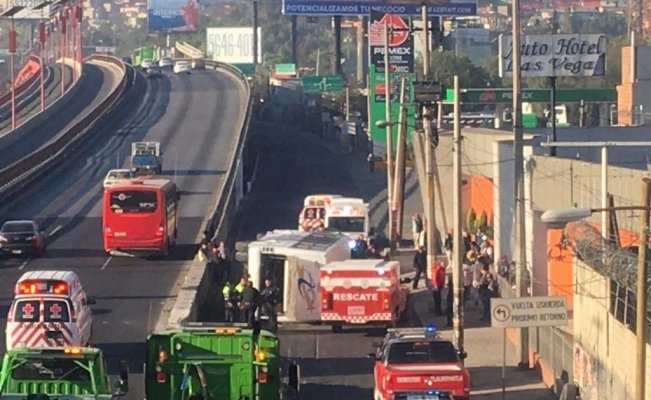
[[242, 247]]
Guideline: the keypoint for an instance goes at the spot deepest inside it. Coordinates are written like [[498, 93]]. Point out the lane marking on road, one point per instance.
[[23, 264], [106, 263], [55, 230]]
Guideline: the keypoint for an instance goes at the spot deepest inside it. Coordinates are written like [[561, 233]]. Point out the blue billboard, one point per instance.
[[364, 7], [172, 15]]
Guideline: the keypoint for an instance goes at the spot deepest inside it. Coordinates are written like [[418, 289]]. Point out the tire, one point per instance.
[[337, 328], [166, 251], [242, 247]]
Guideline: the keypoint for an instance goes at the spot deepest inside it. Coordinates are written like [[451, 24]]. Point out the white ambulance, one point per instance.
[[363, 292], [293, 261], [348, 215], [50, 309], [312, 215]]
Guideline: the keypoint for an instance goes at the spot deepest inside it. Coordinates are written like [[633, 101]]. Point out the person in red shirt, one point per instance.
[[438, 283]]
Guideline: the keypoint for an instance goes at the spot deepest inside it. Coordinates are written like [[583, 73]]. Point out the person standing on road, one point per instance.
[[416, 229], [486, 287], [250, 302], [438, 285], [229, 307], [449, 301], [239, 292], [420, 265]]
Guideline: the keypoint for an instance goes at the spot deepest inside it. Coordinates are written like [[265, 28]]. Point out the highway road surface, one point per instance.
[[101, 78], [52, 93], [196, 118]]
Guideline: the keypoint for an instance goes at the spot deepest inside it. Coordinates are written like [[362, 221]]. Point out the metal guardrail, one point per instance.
[[218, 215], [22, 172]]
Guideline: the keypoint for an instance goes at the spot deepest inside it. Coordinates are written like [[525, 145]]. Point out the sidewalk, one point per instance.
[[482, 343]]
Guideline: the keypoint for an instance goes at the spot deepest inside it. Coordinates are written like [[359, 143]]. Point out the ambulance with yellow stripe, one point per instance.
[[312, 215], [50, 310], [349, 216], [363, 292]]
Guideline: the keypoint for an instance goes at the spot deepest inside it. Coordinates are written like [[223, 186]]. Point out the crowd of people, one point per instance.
[[244, 303], [480, 284]]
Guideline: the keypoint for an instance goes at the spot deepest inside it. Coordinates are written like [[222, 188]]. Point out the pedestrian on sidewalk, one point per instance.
[[449, 246], [371, 162], [487, 287], [467, 281], [416, 230], [438, 284], [420, 265], [449, 301]]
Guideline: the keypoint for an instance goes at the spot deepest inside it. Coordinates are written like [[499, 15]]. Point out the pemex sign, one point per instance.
[[401, 43]]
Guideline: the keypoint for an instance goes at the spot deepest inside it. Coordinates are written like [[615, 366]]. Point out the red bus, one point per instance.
[[139, 216]]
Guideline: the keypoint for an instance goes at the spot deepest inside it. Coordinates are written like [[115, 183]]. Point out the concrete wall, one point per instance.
[[604, 349]]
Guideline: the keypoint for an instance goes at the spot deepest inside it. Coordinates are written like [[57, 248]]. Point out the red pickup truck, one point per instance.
[[415, 363]]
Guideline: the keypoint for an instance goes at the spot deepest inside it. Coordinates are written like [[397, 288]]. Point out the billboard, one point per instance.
[[555, 55], [401, 64], [28, 12], [364, 7], [172, 15], [232, 45]]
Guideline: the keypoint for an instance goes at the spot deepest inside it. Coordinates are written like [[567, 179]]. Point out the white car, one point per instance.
[[147, 63], [182, 67], [165, 62], [116, 175]]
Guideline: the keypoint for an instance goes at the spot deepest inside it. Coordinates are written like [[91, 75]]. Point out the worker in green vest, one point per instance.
[[229, 305], [237, 298]]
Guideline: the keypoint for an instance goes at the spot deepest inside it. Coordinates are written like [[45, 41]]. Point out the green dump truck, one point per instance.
[[217, 362], [63, 374]]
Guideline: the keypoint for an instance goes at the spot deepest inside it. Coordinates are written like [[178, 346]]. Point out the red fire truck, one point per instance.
[[417, 363], [362, 292]]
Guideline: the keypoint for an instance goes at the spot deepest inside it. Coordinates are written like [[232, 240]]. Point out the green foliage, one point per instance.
[[471, 221], [482, 222], [445, 64]]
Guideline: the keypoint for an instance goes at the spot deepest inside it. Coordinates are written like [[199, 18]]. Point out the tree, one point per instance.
[[445, 64]]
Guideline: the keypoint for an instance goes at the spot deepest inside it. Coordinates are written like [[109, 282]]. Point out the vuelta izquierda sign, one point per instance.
[[555, 55]]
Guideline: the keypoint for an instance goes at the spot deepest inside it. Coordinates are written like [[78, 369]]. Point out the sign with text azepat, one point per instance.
[[232, 45], [364, 7], [555, 55], [525, 312]]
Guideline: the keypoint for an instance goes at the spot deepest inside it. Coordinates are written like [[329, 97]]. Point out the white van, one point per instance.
[[50, 309]]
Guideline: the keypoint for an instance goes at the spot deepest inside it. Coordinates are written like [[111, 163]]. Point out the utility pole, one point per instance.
[[360, 50], [255, 33], [294, 35], [336, 63], [522, 347], [641, 310], [399, 182], [387, 110], [430, 216], [457, 241]]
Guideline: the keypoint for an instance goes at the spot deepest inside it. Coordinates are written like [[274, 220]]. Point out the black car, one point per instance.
[[22, 237]]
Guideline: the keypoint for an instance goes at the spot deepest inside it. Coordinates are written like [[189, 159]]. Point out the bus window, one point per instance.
[[132, 201], [27, 311], [55, 311]]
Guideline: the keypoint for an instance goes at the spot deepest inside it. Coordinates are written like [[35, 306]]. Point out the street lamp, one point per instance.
[[10, 13], [558, 218], [41, 40]]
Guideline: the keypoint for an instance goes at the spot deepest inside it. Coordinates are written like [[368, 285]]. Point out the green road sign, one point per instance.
[[489, 95], [324, 83], [285, 69]]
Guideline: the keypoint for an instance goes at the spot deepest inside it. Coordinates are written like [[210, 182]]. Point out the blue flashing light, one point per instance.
[[430, 328], [352, 244]]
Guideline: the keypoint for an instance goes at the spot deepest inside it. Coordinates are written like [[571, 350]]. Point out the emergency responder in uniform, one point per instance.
[[238, 295], [229, 306], [250, 301], [267, 313]]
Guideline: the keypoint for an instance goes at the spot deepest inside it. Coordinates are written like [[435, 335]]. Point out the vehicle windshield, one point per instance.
[[421, 352], [120, 175], [133, 201], [17, 227], [347, 224], [141, 160], [26, 369]]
